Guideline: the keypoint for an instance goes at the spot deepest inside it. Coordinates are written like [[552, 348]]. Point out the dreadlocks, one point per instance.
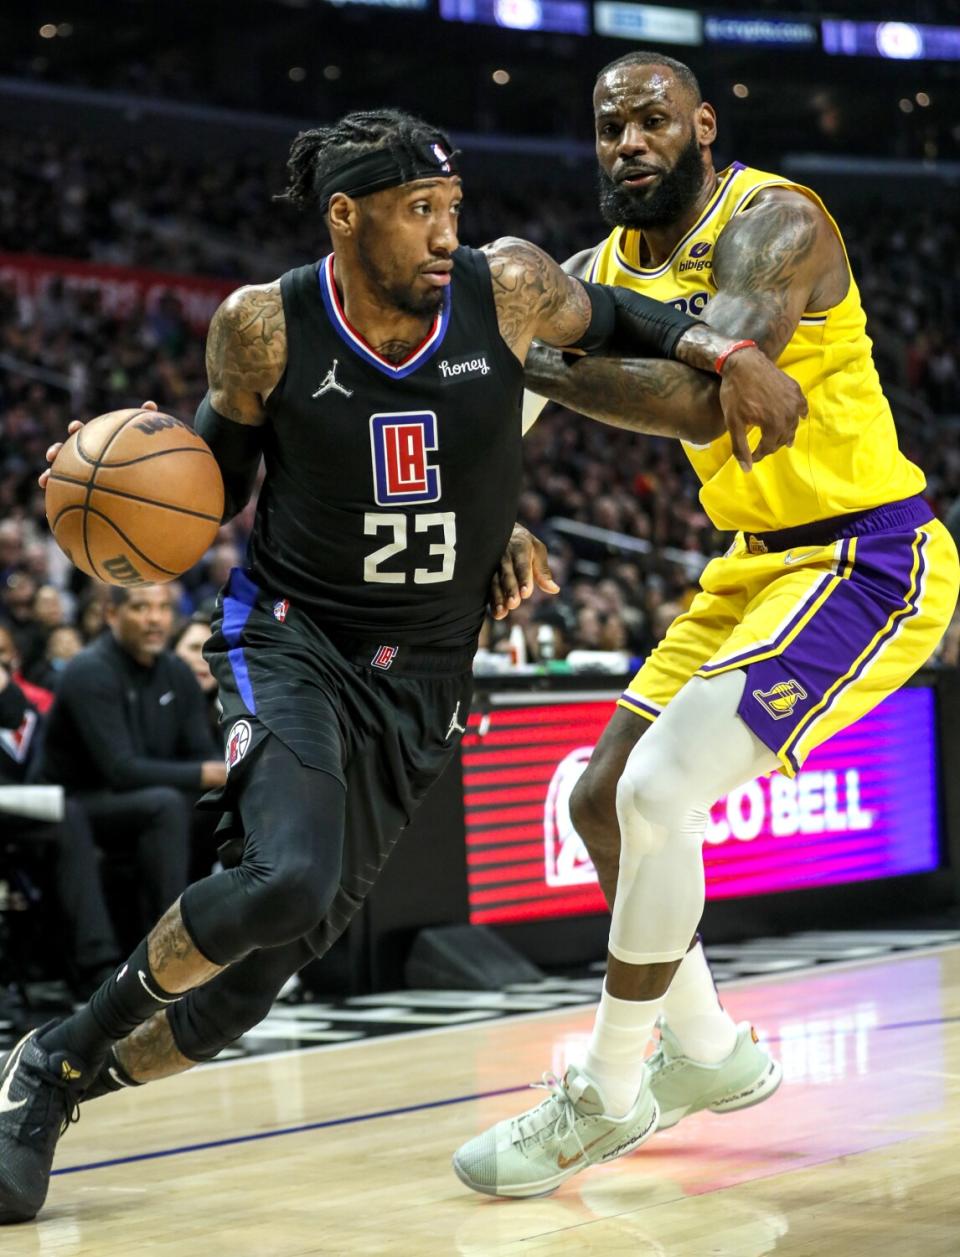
[[316, 154]]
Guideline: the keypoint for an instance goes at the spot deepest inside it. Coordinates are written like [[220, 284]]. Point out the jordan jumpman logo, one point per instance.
[[329, 383]]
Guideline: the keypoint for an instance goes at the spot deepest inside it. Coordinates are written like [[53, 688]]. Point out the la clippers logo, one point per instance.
[[566, 862], [384, 657], [280, 609], [238, 742], [399, 444]]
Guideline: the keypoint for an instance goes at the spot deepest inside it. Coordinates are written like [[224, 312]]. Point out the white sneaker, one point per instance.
[[532, 1154], [682, 1086]]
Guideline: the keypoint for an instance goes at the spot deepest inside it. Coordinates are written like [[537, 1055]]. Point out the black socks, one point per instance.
[[112, 1077], [126, 1000]]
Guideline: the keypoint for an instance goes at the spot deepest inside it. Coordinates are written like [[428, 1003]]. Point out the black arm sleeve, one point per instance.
[[237, 448], [628, 323]]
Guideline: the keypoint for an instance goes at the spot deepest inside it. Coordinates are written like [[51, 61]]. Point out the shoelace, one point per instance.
[[565, 1123], [59, 1092]]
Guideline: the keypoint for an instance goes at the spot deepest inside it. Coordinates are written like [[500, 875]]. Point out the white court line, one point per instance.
[[759, 980]]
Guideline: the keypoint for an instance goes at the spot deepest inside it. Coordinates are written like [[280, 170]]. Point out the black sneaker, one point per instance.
[[39, 1095]]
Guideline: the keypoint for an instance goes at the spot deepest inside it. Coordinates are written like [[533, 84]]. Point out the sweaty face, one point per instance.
[[406, 237], [648, 147]]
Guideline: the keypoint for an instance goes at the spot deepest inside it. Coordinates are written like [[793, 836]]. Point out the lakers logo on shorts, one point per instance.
[[780, 701]]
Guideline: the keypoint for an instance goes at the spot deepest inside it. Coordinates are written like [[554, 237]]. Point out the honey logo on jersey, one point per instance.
[[452, 370], [399, 444], [696, 259], [780, 700]]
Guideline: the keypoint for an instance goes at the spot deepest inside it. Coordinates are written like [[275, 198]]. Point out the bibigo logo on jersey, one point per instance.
[[566, 862]]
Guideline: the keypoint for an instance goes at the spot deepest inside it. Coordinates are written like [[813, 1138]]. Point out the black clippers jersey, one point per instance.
[[390, 490]]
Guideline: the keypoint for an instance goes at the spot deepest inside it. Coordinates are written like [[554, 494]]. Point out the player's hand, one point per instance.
[[756, 394], [523, 565], [213, 773], [75, 426]]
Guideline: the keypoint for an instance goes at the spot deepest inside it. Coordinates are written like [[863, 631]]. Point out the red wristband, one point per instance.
[[737, 344]]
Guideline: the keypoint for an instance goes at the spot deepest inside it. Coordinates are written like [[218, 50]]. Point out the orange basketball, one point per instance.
[[134, 498]]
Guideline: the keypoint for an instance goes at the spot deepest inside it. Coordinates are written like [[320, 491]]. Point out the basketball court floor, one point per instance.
[[345, 1149]]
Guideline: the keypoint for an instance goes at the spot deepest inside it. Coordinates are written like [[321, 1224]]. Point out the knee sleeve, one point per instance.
[[293, 819], [660, 893], [698, 750], [211, 1017]]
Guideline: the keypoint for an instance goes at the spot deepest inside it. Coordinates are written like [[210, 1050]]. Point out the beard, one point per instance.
[[667, 201], [392, 290]]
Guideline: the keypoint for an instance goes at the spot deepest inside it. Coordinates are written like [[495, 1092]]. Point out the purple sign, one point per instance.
[[863, 806]]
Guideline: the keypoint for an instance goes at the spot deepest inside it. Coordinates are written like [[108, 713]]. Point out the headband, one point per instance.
[[389, 167]]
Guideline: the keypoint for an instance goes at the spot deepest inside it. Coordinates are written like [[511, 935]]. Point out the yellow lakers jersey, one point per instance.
[[845, 457]]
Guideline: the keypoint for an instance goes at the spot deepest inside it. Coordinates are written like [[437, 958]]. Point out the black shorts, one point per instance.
[[383, 719]]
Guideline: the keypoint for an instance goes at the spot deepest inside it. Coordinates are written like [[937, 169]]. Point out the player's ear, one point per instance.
[[342, 214], [705, 123]]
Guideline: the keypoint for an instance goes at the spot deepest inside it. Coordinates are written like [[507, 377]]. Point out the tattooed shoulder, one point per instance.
[[246, 347], [769, 243], [533, 296]]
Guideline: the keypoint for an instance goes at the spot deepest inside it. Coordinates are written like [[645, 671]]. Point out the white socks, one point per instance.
[[618, 1045], [691, 1008]]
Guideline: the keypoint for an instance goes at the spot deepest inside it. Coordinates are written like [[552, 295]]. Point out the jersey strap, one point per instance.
[[398, 371]]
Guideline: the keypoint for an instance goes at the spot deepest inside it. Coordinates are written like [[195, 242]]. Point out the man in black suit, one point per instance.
[[129, 737]]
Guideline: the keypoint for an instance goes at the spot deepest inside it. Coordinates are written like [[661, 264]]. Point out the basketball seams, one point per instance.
[[92, 510], [90, 483], [136, 497], [82, 481], [176, 449], [113, 436]]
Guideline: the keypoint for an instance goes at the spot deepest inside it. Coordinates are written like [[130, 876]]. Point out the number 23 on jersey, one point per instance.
[[400, 444]]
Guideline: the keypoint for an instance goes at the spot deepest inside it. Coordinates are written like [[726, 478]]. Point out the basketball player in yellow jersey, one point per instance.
[[838, 586]]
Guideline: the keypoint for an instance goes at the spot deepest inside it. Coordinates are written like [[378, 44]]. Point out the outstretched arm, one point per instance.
[[640, 394], [651, 396]]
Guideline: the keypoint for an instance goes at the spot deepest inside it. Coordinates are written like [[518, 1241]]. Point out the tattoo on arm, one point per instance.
[[149, 1052], [246, 352], [642, 395], [534, 297], [766, 264]]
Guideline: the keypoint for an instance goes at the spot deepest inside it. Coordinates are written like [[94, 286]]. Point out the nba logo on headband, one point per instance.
[[442, 157]]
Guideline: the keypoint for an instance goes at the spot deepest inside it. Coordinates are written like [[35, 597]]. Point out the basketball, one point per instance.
[[134, 497]]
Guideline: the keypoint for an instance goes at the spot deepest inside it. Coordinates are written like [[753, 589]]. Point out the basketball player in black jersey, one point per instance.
[[382, 387]]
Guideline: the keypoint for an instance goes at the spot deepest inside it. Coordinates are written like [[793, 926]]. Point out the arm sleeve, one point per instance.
[[237, 448], [94, 699], [628, 323]]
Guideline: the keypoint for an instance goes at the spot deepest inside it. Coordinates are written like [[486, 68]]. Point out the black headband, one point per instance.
[[389, 167]]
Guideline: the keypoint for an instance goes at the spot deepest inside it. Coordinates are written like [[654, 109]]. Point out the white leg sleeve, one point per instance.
[[697, 751]]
